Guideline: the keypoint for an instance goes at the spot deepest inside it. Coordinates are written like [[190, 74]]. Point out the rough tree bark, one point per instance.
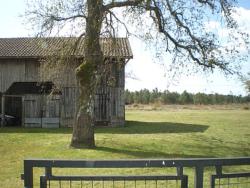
[[83, 130]]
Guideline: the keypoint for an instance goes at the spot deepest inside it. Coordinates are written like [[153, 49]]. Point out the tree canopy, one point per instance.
[[179, 27], [182, 27]]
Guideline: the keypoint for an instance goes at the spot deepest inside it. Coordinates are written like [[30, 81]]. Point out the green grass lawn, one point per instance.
[[147, 134]]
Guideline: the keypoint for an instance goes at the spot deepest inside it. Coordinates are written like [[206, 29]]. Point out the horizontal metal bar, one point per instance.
[[138, 163], [231, 175], [114, 178]]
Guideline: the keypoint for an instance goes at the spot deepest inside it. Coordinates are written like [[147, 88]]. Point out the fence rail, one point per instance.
[[179, 164]]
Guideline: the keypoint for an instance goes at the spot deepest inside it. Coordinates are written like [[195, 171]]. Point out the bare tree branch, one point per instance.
[[127, 3], [208, 2], [59, 19], [119, 21]]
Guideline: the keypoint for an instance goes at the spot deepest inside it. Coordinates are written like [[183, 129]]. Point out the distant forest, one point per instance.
[[146, 96]]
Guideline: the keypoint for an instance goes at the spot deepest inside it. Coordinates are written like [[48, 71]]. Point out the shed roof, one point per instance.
[[42, 47]]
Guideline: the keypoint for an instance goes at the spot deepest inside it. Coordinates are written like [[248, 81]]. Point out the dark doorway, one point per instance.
[[13, 107], [14, 94]]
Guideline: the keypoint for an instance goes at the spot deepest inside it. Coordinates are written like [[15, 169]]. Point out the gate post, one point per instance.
[[23, 112], [43, 182], [198, 179], [184, 182], [28, 174]]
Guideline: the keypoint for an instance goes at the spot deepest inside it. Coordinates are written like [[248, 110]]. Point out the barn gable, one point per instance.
[[20, 83]]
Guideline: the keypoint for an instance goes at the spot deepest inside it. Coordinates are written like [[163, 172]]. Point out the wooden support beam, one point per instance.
[[3, 110], [23, 110]]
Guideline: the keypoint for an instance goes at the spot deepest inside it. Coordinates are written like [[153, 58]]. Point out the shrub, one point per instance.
[[245, 108]]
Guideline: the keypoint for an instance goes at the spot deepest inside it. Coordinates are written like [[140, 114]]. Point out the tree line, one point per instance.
[[146, 96]]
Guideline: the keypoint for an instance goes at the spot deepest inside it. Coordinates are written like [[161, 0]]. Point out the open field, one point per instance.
[[168, 133], [173, 107]]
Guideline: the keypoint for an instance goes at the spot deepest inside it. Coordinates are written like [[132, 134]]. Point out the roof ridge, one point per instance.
[[58, 37]]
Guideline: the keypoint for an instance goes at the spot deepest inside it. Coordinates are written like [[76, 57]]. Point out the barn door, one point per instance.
[[32, 111], [51, 111], [42, 111], [102, 107]]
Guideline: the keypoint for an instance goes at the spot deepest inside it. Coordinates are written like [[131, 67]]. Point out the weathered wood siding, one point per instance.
[[23, 70], [41, 111], [109, 105], [69, 103], [102, 106], [51, 116], [118, 96], [117, 107], [13, 70], [32, 108], [38, 111]]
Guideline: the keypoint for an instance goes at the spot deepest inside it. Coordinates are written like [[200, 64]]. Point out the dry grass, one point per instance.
[[159, 106]]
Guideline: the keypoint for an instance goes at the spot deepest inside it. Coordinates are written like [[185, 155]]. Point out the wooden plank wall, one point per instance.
[[117, 107], [14, 70], [102, 106], [68, 105], [41, 111], [109, 100], [51, 116], [27, 70], [52, 106], [110, 104], [33, 106], [33, 110], [118, 95]]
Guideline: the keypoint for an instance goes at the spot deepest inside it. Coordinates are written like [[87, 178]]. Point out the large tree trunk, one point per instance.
[[83, 129]]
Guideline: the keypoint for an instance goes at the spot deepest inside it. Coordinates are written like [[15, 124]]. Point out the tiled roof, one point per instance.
[[42, 47]]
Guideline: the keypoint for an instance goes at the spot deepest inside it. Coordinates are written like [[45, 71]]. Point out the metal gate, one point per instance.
[[177, 180], [150, 181]]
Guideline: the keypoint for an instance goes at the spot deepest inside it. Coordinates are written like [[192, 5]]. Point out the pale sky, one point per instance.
[[148, 73]]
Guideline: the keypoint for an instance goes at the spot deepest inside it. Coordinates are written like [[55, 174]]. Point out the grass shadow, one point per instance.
[[148, 154], [131, 127], [35, 130], [139, 127]]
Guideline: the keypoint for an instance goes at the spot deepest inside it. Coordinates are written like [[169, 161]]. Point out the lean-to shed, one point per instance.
[[27, 97]]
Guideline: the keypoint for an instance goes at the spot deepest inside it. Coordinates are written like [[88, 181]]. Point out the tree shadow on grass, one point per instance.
[[148, 154], [35, 130], [139, 127], [131, 127]]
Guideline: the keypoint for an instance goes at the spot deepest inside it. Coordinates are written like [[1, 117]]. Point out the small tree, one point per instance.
[[246, 81], [180, 27]]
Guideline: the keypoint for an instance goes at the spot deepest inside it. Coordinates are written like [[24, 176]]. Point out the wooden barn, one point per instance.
[[27, 97]]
